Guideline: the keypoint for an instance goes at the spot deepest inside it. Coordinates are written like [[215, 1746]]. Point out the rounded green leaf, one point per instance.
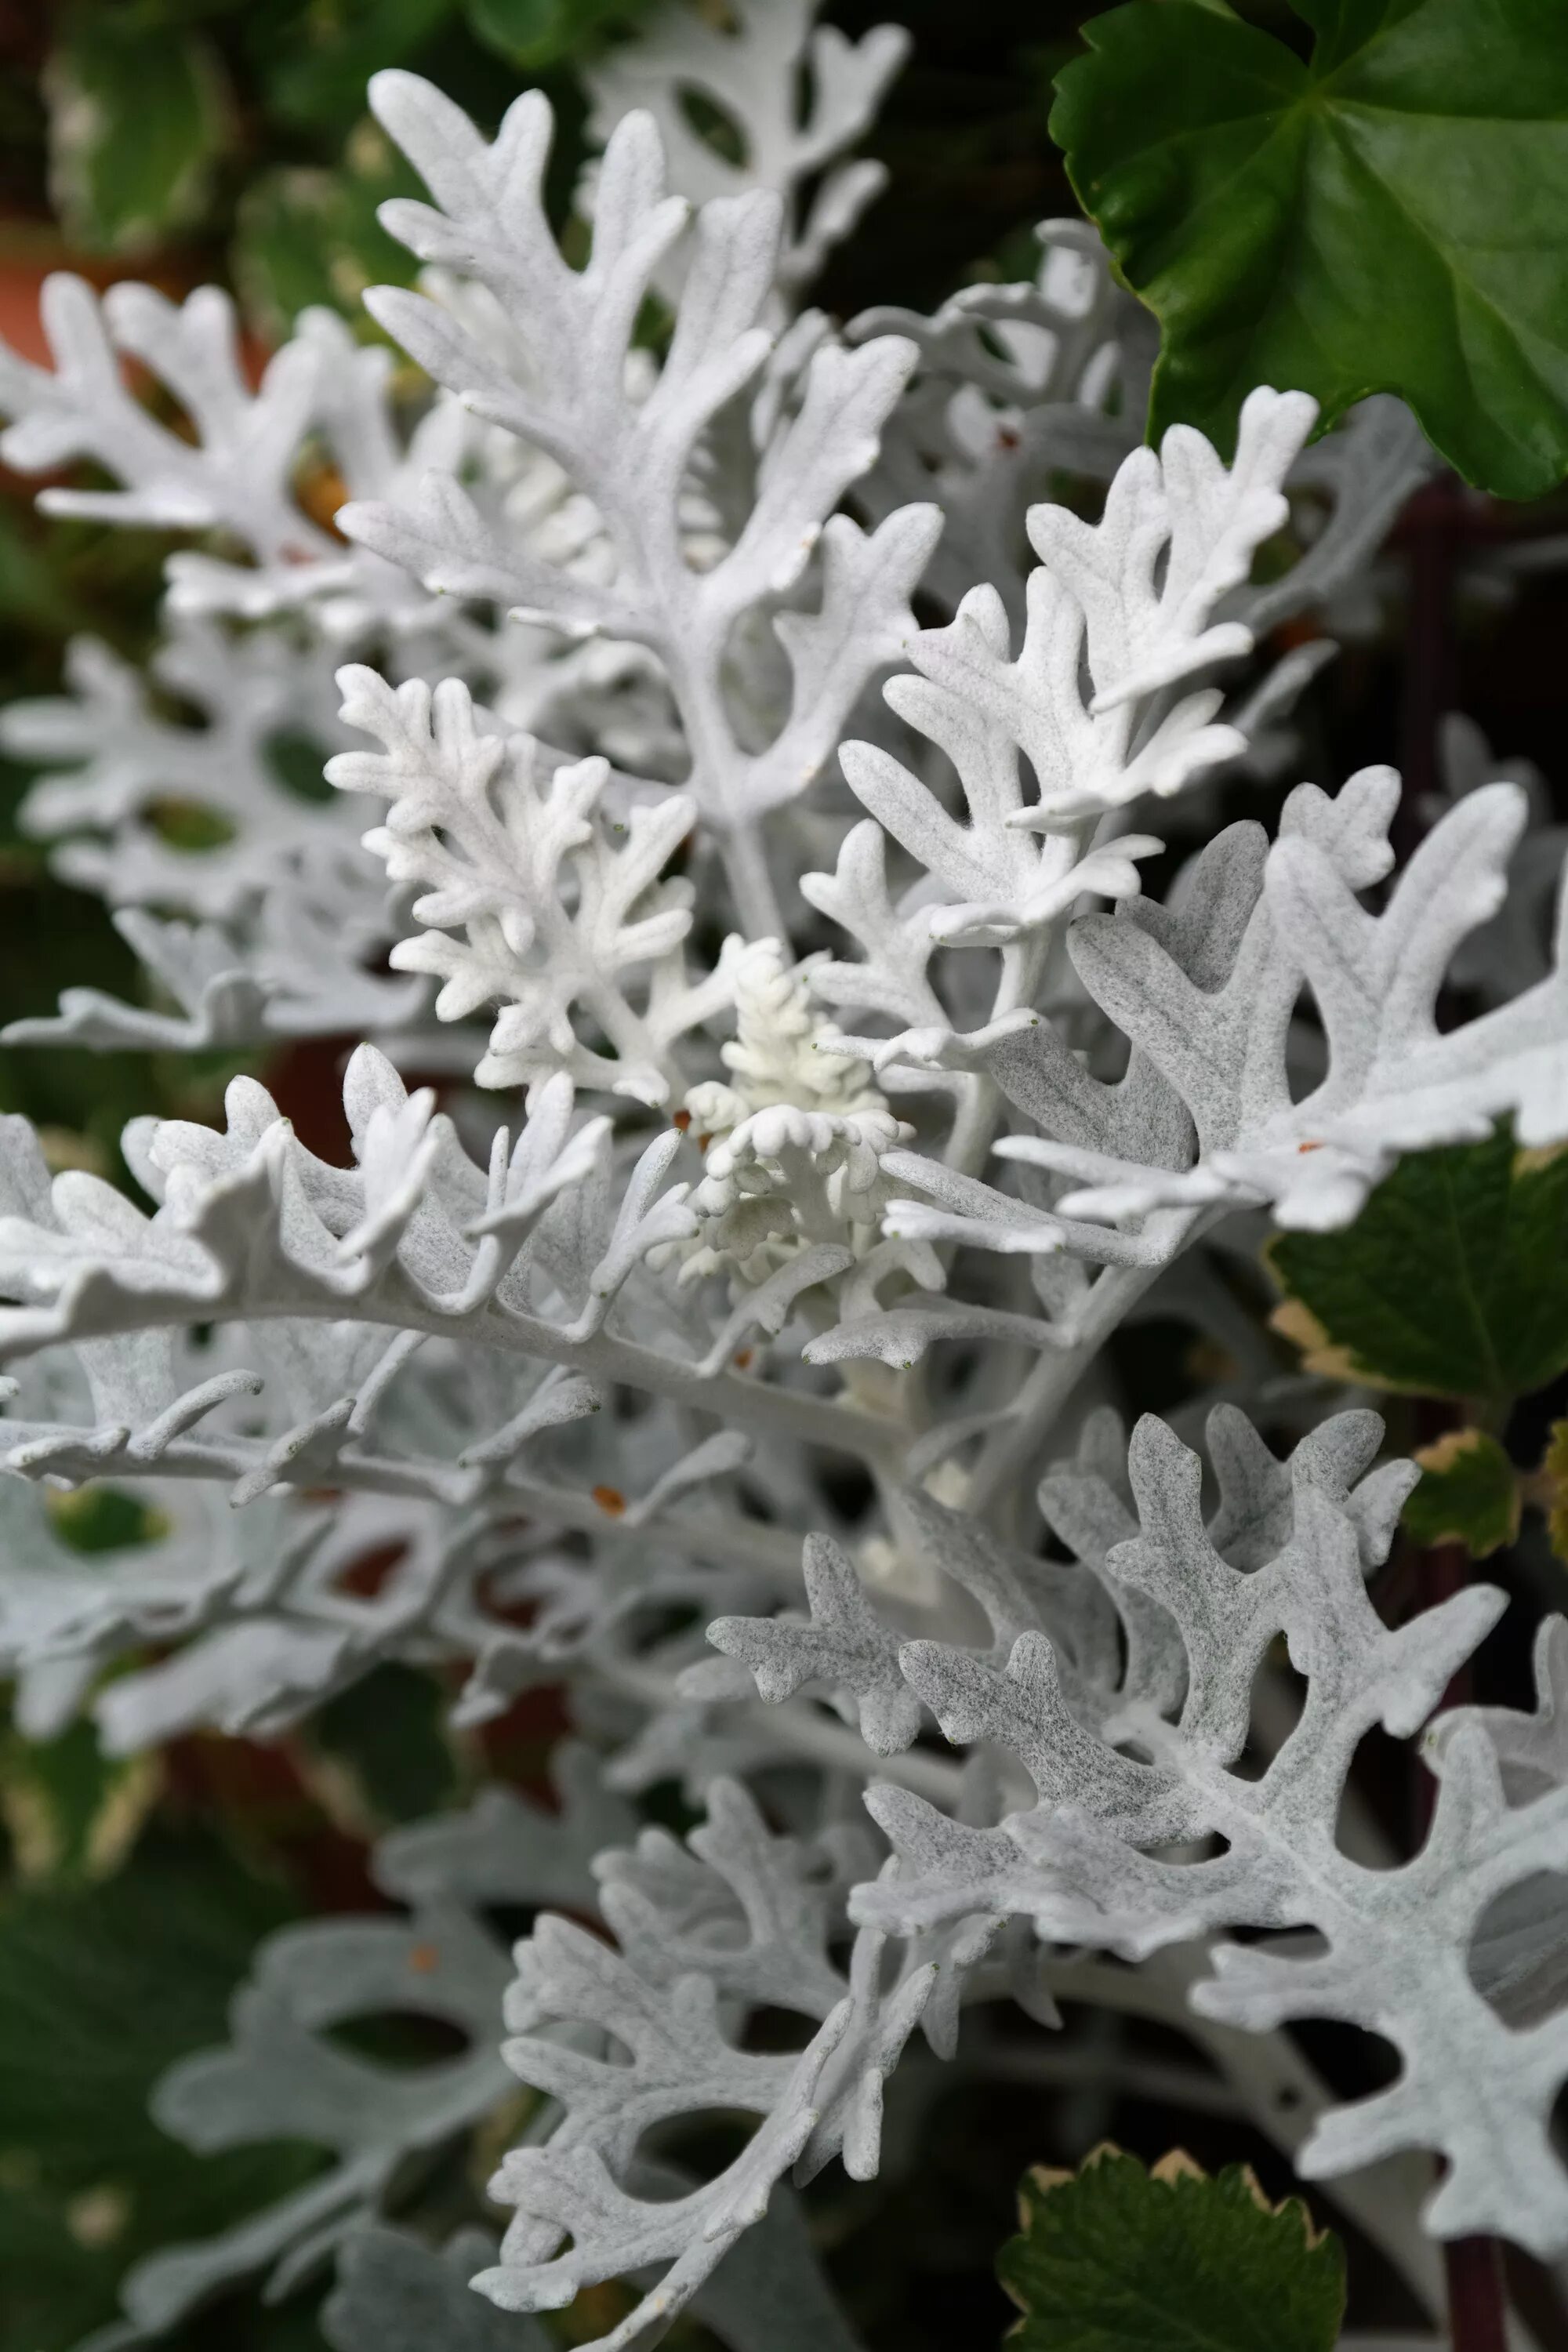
[[1392, 217]]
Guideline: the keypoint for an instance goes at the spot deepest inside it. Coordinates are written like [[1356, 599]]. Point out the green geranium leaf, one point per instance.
[[1391, 216], [1468, 1493], [1114, 2258], [1452, 1282], [136, 121]]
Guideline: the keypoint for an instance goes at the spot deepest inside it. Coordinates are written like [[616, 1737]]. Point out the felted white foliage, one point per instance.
[[240, 468], [127, 763], [332, 1291], [284, 2075], [1018, 384], [1512, 952], [236, 475], [859, 586], [851, 1646], [738, 1917], [568, 389], [793, 1143], [298, 904], [137, 776], [1347, 491], [394, 2295], [254, 1599], [751, 70], [555, 911], [1131, 1762], [641, 556], [538, 1259], [1210, 991], [1014, 383], [1020, 864], [1393, 1082], [293, 965], [1161, 1661], [252, 1220]]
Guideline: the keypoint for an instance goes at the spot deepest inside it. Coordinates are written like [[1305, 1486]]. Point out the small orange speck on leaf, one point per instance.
[[610, 1500]]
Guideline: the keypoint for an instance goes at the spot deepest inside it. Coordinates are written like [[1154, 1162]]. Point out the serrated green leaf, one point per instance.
[[1452, 1282], [136, 121], [1468, 1493], [1114, 2258], [1391, 216]]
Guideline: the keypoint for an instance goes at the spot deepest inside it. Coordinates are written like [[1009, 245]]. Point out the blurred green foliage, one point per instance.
[[102, 1987]]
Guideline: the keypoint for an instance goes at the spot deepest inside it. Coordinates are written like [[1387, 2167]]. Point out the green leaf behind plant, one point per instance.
[[136, 122], [1114, 2258], [101, 1989], [312, 63], [1391, 216], [308, 236], [1452, 1282], [1468, 1493], [388, 1734], [539, 32], [70, 1811]]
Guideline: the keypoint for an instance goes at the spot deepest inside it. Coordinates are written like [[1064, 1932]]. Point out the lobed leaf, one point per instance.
[[1389, 217]]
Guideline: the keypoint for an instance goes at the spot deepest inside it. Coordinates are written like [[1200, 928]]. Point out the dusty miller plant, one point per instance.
[[788, 971]]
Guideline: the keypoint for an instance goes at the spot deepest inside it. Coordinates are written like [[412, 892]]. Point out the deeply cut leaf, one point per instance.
[[1452, 1282], [1392, 217], [1113, 2258], [1468, 1493]]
